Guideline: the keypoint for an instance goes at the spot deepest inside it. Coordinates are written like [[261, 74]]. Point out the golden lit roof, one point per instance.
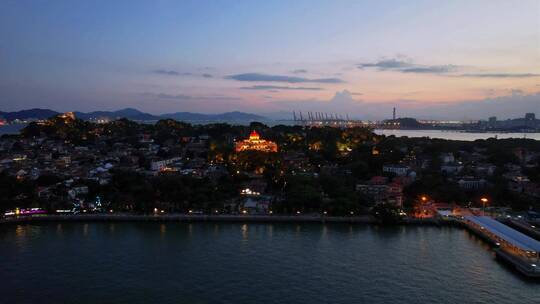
[[254, 142]]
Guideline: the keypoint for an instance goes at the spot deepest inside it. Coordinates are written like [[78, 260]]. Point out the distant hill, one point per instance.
[[128, 113], [27, 114], [134, 114], [229, 116]]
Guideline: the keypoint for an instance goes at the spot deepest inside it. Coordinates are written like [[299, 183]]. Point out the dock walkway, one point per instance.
[[516, 248]]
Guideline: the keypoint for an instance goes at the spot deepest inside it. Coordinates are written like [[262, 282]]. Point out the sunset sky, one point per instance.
[[430, 59]]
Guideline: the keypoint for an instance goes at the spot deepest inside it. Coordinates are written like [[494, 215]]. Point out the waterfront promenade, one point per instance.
[[308, 218], [191, 218]]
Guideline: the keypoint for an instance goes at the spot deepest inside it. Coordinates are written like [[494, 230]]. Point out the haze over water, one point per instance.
[[456, 135], [252, 263]]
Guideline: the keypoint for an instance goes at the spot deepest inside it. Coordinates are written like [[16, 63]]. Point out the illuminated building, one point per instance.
[[254, 142], [67, 115]]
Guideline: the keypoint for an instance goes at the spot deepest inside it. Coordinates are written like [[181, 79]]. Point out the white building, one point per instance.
[[399, 170], [447, 158], [472, 183], [160, 164], [451, 168]]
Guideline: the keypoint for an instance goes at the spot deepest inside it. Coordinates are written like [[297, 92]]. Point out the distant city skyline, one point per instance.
[[439, 60]]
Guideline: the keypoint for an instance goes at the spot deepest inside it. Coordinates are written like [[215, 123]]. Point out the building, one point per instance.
[[381, 191], [522, 250], [447, 158], [470, 183], [161, 164], [254, 142], [399, 170], [484, 169], [451, 168], [529, 121], [394, 194], [67, 116]]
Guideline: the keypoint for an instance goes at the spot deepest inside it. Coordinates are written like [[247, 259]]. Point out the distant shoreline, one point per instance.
[[456, 135], [366, 219]]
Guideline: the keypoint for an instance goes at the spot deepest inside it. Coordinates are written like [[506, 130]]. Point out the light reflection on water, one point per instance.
[[245, 233], [162, 229], [247, 263], [20, 231]]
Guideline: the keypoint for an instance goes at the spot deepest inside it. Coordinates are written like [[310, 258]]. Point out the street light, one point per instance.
[[484, 202], [423, 201]]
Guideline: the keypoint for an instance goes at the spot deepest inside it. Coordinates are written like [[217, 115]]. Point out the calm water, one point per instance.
[[252, 263], [11, 129], [454, 135]]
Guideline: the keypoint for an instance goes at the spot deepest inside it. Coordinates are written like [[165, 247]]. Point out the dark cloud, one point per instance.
[[434, 69], [220, 97], [183, 97], [166, 96], [490, 92], [408, 67], [411, 93], [271, 87], [515, 92], [387, 64], [280, 78], [356, 94], [411, 67], [299, 71], [166, 72], [501, 75], [176, 73]]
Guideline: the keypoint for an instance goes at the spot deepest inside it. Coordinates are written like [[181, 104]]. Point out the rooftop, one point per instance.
[[506, 233]]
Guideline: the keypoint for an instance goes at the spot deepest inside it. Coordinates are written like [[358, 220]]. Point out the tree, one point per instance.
[[386, 213]]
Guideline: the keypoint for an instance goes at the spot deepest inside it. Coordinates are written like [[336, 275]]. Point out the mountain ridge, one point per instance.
[[133, 114]]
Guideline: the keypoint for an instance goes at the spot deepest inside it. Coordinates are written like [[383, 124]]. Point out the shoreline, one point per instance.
[[366, 219]]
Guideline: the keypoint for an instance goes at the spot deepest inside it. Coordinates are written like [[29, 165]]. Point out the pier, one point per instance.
[[525, 227], [512, 246]]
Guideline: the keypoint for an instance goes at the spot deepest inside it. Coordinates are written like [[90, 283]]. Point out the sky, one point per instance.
[[429, 59]]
